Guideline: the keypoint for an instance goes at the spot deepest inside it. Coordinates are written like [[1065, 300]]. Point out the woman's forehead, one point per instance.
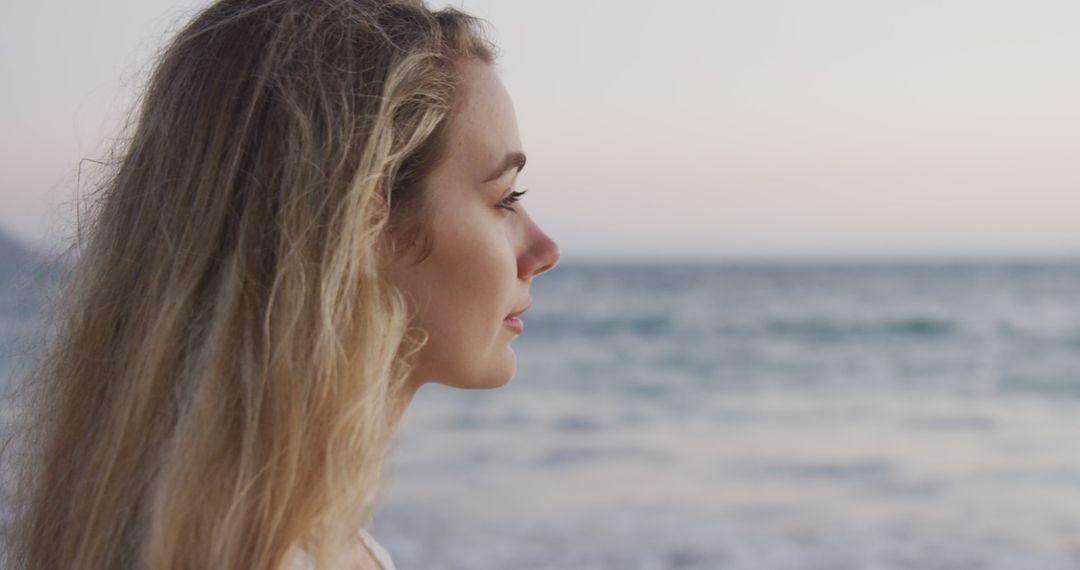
[[483, 130]]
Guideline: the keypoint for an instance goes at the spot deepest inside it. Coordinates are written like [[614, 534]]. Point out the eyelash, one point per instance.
[[513, 197]]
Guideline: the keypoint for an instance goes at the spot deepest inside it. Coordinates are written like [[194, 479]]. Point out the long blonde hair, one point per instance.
[[226, 366]]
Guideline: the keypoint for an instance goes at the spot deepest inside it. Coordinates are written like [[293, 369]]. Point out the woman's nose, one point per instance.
[[541, 255]]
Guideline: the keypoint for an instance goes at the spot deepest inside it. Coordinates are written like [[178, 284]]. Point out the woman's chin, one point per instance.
[[496, 376], [488, 382]]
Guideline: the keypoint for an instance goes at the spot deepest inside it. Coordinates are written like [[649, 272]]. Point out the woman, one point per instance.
[[315, 215]]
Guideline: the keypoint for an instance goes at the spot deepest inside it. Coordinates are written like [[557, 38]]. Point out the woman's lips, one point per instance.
[[515, 324]]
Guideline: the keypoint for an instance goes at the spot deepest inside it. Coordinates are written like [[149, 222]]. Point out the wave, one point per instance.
[[816, 328], [827, 329], [868, 469], [569, 455], [648, 326]]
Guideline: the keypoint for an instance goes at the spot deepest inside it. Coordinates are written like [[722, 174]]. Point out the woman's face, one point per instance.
[[484, 255]]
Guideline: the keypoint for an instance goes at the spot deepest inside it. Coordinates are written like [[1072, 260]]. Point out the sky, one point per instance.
[[684, 129]]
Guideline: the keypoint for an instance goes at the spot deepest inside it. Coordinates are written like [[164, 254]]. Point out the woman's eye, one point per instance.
[[513, 197]]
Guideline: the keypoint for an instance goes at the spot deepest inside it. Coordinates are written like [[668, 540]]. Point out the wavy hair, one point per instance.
[[226, 362]]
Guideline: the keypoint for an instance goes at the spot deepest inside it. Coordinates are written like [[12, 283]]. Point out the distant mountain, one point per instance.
[[12, 252]]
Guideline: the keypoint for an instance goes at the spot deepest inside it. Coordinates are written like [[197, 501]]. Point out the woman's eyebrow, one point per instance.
[[510, 161]]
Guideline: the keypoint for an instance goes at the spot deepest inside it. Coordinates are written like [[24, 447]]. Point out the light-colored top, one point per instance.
[[301, 560], [377, 551]]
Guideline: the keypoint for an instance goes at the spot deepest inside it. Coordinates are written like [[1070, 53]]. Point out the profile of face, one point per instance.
[[486, 249]]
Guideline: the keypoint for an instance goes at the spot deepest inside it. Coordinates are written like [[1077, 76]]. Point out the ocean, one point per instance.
[[765, 416]]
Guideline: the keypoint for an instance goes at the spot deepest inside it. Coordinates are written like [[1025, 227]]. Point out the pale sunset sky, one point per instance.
[[693, 128]]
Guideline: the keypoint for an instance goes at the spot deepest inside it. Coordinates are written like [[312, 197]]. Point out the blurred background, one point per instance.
[[819, 304]]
